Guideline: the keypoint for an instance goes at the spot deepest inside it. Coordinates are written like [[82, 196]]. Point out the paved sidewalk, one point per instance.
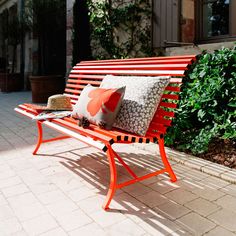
[[60, 191]]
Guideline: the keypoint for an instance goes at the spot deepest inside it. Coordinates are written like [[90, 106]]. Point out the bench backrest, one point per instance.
[[92, 72]]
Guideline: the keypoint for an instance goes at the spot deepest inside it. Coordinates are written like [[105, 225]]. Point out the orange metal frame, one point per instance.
[[111, 155]]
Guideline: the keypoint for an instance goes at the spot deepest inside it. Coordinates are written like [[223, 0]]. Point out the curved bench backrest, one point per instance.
[[92, 72]]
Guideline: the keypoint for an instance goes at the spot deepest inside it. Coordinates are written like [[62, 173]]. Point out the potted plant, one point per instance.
[[11, 28], [47, 20]]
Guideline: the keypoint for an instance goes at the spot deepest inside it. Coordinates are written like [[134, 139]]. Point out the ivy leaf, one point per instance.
[[232, 104], [202, 74]]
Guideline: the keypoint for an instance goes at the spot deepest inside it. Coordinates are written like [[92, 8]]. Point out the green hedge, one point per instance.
[[207, 108]]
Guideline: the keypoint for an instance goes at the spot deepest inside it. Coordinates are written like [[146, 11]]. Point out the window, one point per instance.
[[215, 19]]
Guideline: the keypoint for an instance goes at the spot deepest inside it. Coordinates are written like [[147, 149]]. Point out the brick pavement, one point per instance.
[[60, 191]]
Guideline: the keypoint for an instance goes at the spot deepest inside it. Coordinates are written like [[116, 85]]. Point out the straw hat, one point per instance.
[[58, 102]]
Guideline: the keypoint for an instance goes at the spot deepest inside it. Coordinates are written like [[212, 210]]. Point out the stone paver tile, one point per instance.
[[55, 232], [7, 174], [73, 220], [180, 170], [91, 204], [137, 189], [230, 189], [208, 193], [39, 224], [181, 196], [195, 175], [196, 223], [43, 187], [182, 232], [4, 183], [155, 179], [172, 210], [196, 163], [202, 206], [20, 233], [188, 184], [31, 176], [20, 164], [132, 208], [214, 182], [4, 167], [90, 229], [229, 175], [22, 199], [51, 197], [51, 170], [15, 190], [228, 202], [3, 200], [41, 162], [81, 193], [219, 231], [27, 212], [61, 207], [125, 227], [65, 181], [224, 218], [6, 212], [214, 169], [152, 199], [159, 226], [9, 226], [164, 186], [106, 219]]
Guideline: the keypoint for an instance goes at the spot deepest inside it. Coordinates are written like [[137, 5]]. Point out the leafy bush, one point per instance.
[[207, 104]]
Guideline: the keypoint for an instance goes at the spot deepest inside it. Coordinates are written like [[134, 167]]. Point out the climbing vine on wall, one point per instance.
[[120, 29]]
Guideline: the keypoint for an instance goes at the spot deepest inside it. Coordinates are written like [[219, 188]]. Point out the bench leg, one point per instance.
[[113, 178], [40, 137], [165, 161]]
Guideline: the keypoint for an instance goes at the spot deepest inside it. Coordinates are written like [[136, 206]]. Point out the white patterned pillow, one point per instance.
[[141, 99]]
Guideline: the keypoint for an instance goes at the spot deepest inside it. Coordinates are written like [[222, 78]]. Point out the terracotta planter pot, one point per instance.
[[44, 86], [11, 82]]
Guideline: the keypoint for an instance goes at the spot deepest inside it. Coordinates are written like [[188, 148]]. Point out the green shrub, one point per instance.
[[207, 104]]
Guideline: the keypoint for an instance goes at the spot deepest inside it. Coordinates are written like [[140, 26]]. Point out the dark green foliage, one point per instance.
[[119, 28], [207, 108]]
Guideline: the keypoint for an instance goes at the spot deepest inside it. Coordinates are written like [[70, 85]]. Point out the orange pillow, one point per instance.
[[99, 105]]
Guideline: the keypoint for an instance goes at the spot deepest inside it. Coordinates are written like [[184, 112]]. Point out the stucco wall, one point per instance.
[[198, 48]]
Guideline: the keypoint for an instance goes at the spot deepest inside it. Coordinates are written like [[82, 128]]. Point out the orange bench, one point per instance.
[[92, 72]]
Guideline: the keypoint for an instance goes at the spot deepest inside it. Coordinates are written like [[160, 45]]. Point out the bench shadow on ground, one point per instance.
[[141, 201]]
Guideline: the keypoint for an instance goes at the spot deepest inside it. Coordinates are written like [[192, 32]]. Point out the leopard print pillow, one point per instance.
[[141, 99]]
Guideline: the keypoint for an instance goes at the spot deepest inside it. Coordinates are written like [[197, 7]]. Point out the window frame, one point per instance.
[[199, 24]]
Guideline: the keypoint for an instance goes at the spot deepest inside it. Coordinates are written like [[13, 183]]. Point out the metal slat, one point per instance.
[[79, 81], [134, 67], [148, 62], [190, 57], [80, 76], [133, 72]]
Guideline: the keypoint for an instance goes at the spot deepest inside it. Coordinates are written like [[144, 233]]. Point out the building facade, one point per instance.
[[178, 27], [184, 26]]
